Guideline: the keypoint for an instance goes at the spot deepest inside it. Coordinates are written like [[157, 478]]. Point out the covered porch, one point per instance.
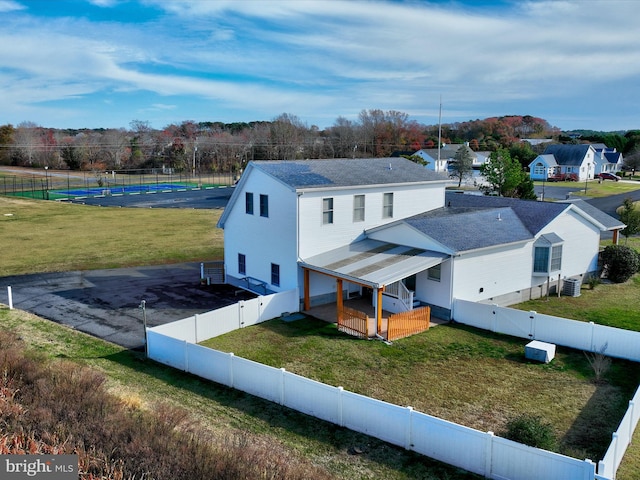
[[376, 267]]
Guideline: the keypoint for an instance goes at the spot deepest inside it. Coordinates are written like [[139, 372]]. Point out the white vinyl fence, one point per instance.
[[590, 337], [478, 452], [475, 451]]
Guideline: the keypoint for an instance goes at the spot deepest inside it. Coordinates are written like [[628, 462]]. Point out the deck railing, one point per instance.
[[400, 291], [408, 323], [353, 322]]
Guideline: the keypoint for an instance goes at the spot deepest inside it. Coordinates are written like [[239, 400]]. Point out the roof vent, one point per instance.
[[499, 217], [390, 167]]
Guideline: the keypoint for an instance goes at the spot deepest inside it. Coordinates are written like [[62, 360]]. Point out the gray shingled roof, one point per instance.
[[533, 214], [550, 160], [568, 154], [462, 229], [301, 174], [598, 215], [612, 157]]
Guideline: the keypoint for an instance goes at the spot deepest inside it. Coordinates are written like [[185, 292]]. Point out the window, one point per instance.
[[556, 258], [275, 274], [242, 264], [248, 202], [327, 211], [264, 205], [358, 208], [547, 254], [434, 272], [387, 205], [541, 260]]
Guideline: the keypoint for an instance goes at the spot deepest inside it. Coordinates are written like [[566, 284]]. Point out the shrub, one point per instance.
[[531, 430], [620, 262], [593, 282]]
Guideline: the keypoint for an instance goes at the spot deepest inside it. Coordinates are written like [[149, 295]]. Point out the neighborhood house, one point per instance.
[[575, 162], [385, 230]]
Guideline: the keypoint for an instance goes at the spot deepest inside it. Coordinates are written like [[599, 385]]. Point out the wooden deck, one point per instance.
[[328, 313]]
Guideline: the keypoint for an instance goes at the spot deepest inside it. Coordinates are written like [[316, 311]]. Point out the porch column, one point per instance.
[[615, 236], [379, 309], [339, 302], [307, 302]]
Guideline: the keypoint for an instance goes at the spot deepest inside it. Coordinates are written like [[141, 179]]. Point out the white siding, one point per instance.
[[486, 274], [263, 240], [581, 243], [317, 238], [432, 291]]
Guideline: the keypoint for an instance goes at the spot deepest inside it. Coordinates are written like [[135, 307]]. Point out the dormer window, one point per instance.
[[547, 254]]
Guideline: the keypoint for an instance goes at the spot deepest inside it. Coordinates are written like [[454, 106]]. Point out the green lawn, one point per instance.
[[222, 411], [615, 305], [457, 373], [595, 189], [40, 236]]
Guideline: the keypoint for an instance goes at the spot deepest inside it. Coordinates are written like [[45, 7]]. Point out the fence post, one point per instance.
[[601, 468], [231, 355], [10, 295], [614, 442], [408, 441], [340, 421], [240, 314], [195, 328], [488, 455], [593, 327], [631, 411], [282, 374], [532, 324]]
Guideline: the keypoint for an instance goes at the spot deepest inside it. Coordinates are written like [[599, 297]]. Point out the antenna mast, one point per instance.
[[439, 132]]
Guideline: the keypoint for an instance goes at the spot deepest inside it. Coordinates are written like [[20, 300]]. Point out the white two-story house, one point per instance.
[[384, 228]]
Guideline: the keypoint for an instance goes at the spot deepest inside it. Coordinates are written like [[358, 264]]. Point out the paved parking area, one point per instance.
[[106, 303]]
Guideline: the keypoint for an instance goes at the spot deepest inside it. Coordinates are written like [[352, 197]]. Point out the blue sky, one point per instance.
[[104, 63]]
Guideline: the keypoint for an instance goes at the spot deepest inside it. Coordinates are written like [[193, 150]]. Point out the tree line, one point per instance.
[[227, 147]]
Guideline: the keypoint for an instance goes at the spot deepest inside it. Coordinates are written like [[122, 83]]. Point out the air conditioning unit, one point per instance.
[[571, 287]]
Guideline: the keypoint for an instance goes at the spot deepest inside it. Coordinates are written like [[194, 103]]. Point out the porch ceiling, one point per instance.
[[373, 263]]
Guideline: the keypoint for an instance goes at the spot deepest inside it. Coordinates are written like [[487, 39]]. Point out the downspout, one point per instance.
[[451, 299]]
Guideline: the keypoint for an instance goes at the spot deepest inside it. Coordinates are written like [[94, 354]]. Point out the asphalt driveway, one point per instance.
[[106, 303]]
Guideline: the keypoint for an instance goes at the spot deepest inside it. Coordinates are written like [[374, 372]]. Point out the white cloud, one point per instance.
[[10, 6], [326, 58]]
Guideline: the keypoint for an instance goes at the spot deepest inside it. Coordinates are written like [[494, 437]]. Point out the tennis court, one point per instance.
[[122, 190]]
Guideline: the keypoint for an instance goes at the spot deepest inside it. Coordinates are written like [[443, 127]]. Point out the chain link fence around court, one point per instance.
[[48, 184]]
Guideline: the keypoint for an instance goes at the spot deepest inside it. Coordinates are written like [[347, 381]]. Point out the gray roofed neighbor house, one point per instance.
[[550, 160], [568, 154], [462, 229], [533, 214], [301, 174]]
